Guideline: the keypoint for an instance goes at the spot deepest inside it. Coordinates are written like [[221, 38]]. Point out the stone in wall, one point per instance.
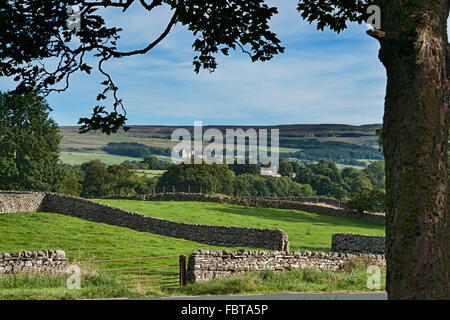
[[357, 243], [42, 262], [11, 201]]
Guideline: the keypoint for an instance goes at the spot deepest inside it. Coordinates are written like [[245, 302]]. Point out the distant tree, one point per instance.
[[29, 145], [367, 200], [134, 149], [202, 178], [376, 173], [95, 179], [242, 186], [359, 182], [257, 186], [328, 169], [295, 166], [71, 184], [153, 163], [101, 180], [333, 151], [340, 191], [121, 180], [355, 180], [246, 168], [285, 168]]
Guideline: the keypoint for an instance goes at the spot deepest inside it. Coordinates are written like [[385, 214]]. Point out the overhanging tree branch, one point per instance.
[[33, 32]]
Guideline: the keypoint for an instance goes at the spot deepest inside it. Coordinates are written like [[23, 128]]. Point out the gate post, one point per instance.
[[182, 261]]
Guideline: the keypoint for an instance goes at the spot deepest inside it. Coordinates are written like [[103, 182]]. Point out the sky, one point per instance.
[[322, 77]]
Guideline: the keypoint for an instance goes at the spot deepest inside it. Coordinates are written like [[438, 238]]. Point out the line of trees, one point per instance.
[[220, 179], [327, 180], [333, 151], [95, 179], [324, 179], [134, 149]]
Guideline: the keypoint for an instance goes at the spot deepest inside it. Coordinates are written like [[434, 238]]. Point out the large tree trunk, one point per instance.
[[415, 52]]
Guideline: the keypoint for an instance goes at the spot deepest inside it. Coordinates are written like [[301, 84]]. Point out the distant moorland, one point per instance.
[[345, 145]]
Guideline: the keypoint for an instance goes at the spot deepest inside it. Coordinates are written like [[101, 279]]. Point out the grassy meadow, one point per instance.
[[306, 231], [84, 240], [97, 286], [80, 157]]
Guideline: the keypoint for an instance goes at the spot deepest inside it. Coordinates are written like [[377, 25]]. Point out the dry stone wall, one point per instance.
[[43, 261], [357, 243], [96, 212], [324, 207], [205, 265], [20, 202]]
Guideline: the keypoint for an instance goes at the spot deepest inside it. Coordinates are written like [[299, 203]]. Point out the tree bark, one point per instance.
[[415, 52]]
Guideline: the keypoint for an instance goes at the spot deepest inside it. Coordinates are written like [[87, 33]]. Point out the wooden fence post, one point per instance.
[[182, 270]]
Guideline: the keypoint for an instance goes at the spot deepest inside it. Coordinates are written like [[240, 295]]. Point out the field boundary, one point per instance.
[[205, 265], [96, 212]]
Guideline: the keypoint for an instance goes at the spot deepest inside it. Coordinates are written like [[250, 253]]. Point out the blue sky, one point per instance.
[[322, 77]]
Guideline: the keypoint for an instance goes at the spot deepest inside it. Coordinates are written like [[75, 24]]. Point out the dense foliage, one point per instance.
[[327, 180], [219, 179], [334, 151], [246, 168], [368, 200], [29, 145], [134, 149], [153, 163], [202, 178], [264, 186], [95, 179]]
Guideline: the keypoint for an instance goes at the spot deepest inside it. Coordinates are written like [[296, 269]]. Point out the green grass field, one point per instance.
[[85, 240], [79, 157], [149, 173], [97, 286], [306, 231], [82, 239]]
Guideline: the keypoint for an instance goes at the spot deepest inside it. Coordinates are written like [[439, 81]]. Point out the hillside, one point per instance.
[[306, 231], [339, 143]]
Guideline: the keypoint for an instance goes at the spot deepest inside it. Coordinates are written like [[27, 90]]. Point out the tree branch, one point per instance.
[[377, 34], [172, 22], [108, 3], [152, 5]]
